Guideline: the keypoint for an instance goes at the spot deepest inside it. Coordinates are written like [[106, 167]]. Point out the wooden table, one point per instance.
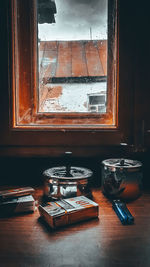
[[26, 241]]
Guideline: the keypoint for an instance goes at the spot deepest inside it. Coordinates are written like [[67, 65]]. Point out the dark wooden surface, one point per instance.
[[26, 241]]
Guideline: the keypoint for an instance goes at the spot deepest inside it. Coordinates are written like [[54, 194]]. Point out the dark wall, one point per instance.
[[28, 170]]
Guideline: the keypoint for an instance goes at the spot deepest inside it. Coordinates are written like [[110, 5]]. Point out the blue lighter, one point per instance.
[[122, 212]]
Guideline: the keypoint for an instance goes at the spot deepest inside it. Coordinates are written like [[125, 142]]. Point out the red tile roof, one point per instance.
[[74, 60]]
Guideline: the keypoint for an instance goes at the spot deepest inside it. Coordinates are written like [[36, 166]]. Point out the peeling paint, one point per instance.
[[70, 97], [54, 91]]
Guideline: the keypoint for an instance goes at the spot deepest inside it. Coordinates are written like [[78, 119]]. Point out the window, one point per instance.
[[26, 131], [72, 42], [71, 83]]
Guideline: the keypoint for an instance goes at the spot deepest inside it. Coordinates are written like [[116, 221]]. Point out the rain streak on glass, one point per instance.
[[72, 55]]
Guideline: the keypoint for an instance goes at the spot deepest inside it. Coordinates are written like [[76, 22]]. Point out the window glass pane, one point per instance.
[[72, 55]]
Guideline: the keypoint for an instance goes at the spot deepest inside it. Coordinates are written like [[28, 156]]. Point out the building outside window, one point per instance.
[[72, 54]]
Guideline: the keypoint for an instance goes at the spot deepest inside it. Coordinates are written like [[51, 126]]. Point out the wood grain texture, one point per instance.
[[94, 65], [27, 241], [75, 59], [64, 60], [47, 59], [102, 49], [79, 66]]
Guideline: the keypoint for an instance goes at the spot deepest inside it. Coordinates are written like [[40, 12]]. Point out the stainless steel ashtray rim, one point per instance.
[[52, 173], [116, 163]]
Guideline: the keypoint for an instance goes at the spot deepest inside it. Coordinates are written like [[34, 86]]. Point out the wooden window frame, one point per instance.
[[32, 140], [25, 84]]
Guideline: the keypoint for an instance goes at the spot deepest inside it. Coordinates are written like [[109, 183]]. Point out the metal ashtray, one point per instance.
[[122, 178], [67, 181]]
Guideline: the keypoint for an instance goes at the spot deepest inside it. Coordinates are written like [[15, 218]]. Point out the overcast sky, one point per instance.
[[74, 19]]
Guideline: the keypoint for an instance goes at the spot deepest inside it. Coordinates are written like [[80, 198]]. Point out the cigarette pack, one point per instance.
[[68, 211], [17, 205], [15, 192]]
